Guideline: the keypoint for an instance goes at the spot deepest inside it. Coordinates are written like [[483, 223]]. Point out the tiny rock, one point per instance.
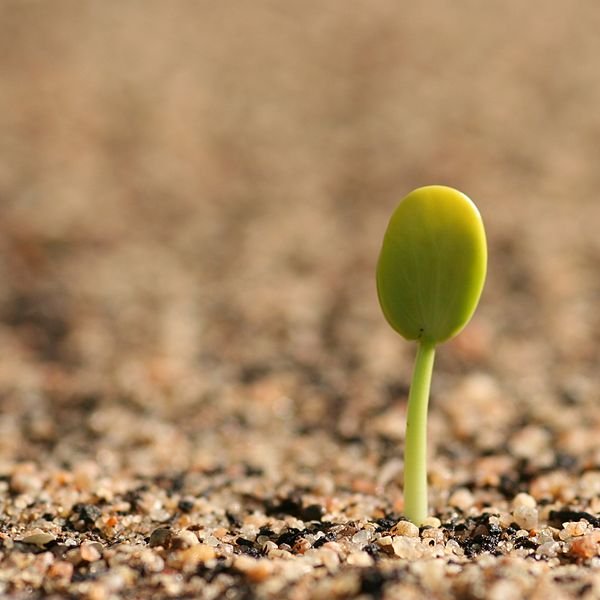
[[38, 538], [61, 569], [405, 547], [361, 537], [184, 539], [160, 537], [254, 570], [523, 499], [462, 499], [90, 551], [529, 441], [586, 546], [405, 528], [573, 529], [432, 522], [526, 517], [330, 559], [196, 554]]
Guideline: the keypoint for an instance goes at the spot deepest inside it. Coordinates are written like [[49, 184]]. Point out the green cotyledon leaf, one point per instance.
[[432, 264]]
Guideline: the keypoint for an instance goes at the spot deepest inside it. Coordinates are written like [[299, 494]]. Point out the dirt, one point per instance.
[[199, 395]]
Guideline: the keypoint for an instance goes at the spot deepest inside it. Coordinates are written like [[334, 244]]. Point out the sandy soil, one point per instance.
[[199, 396]]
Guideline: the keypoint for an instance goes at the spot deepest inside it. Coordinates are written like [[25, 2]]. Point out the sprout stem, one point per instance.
[[415, 450]]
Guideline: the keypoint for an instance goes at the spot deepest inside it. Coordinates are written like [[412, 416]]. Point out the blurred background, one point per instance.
[[192, 199]]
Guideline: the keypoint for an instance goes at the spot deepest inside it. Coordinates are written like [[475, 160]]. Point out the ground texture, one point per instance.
[[199, 397]]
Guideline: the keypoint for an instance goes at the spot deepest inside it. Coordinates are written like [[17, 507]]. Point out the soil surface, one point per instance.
[[199, 396]]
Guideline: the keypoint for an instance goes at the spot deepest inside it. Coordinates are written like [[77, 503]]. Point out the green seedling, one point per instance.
[[430, 275]]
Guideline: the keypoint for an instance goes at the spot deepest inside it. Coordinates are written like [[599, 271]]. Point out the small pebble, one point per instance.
[[361, 537], [90, 551], [529, 442], [185, 505], [462, 499], [301, 546], [585, 546], [405, 528], [256, 570], [330, 559], [313, 512], [453, 547], [160, 537], [61, 569], [432, 522], [406, 547], [548, 549], [184, 539], [573, 529], [526, 517], [522, 533], [268, 547], [38, 538], [437, 535], [523, 499], [191, 557]]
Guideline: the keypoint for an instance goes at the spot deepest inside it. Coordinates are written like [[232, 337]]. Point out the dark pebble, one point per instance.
[[525, 542], [372, 582], [558, 517], [59, 550], [372, 550], [161, 536], [292, 506], [185, 506], [88, 513], [386, 524], [287, 506], [290, 537], [313, 512]]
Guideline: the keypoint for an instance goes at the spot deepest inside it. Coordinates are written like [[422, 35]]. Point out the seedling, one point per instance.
[[430, 275]]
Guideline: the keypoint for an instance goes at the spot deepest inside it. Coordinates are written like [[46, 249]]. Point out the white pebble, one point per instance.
[[545, 535], [461, 499], [432, 522], [526, 517], [330, 559], [405, 547], [38, 538], [361, 537], [453, 547], [523, 499], [187, 538], [548, 549]]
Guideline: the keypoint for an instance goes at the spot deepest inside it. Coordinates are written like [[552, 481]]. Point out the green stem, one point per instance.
[[415, 449]]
